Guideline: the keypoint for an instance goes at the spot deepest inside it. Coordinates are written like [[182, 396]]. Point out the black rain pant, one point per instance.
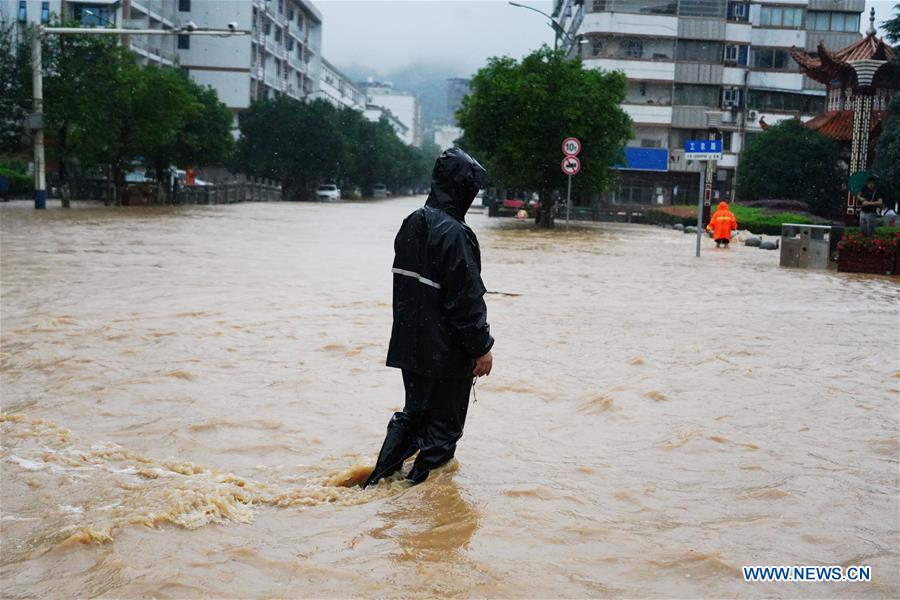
[[431, 422]]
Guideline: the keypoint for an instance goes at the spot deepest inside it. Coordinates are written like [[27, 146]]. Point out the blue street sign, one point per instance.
[[645, 159], [707, 146]]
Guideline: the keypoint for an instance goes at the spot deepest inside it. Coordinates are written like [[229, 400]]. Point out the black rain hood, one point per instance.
[[440, 318], [455, 181]]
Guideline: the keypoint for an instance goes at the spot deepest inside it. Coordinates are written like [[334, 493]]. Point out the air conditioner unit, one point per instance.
[[753, 115], [728, 117]]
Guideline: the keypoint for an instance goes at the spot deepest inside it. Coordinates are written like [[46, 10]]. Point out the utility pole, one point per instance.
[[36, 120]]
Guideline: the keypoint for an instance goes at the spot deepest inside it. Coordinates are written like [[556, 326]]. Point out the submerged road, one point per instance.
[[184, 389]]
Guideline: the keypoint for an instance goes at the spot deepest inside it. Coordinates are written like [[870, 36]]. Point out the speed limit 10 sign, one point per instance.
[[571, 146]]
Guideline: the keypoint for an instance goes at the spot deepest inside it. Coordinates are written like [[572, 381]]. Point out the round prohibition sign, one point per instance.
[[571, 165], [571, 146]]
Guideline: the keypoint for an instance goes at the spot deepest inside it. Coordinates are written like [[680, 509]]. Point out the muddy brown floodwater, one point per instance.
[[184, 391]]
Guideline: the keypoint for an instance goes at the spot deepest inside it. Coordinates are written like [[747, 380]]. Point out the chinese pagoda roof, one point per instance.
[[830, 65], [839, 125]]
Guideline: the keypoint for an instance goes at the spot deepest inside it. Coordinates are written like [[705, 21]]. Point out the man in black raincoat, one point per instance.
[[440, 338]]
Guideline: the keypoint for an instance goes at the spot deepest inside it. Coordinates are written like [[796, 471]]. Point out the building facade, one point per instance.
[[457, 89], [402, 105], [282, 56], [337, 88], [702, 69], [375, 113], [144, 14]]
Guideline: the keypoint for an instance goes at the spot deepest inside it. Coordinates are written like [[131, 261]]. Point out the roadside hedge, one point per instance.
[[20, 184]]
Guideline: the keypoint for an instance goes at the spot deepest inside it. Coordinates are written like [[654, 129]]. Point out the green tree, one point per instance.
[[892, 26], [302, 144], [887, 153], [15, 89], [102, 111], [518, 113], [298, 143], [790, 161]]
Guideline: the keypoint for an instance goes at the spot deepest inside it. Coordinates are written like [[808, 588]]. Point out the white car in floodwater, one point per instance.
[[328, 193]]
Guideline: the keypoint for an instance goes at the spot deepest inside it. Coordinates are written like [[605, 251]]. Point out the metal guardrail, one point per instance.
[[229, 193]]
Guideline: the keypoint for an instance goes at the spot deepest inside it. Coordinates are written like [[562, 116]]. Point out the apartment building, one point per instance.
[[337, 88], [159, 50], [402, 105], [701, 69], [457, 89], [282, 55]]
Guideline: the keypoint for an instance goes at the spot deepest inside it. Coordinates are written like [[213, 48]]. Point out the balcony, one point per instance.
[[701, 29], [690, 72], [843, 5], [649, 114], [691, 117]]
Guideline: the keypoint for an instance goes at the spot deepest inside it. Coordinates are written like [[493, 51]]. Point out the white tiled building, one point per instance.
[[404, 106], [339, 89], [693, 65], [146, 14], [376, 113], [283, 55]]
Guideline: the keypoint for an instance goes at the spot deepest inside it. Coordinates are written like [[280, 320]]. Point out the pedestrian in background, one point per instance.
[[721, 224], [870, 202]]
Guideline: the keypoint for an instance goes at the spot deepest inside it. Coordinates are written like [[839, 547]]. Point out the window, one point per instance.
[[632, 48], [23, 12], [184, 42], [600, 5], [278, 34], [290, 44], [738, 11], [780, 16], [597, 47], [94, 15], [833, 21], [773, 58], [731, 97], [697, 95], [699, 51], [267, 28], [702, 8], [785, 102], [737, 54], [645, 143], [184, 5], [45, 12]]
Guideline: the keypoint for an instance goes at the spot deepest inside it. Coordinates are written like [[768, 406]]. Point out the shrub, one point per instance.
[[20, 184]]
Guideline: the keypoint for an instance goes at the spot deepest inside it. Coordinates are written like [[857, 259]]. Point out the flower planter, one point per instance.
[[855, 260]]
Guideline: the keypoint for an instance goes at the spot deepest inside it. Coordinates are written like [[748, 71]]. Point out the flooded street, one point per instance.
[[185, 389]]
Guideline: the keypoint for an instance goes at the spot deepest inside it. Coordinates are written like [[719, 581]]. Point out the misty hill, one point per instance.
[[427, 81]]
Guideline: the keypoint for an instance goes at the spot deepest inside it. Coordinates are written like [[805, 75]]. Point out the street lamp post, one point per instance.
[[36, 120], [557, 28]]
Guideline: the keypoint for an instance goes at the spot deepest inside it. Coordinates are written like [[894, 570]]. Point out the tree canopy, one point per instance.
[[887, 153], [518, 113], [790, 161], [104, 111], [304, 143], [892, 26]]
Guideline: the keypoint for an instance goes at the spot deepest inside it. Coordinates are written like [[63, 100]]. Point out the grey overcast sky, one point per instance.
[[387, 34]]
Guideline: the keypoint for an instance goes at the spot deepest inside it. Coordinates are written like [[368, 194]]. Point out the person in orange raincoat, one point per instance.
[[721, 224]]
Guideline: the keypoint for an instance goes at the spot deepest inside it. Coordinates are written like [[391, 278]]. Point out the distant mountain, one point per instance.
[[427, 81]]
